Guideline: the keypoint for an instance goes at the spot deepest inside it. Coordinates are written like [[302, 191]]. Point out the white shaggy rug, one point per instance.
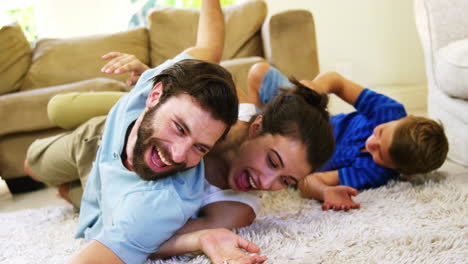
[[425, 222]]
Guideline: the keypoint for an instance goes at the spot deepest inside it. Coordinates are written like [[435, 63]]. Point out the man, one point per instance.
[[163, 127]]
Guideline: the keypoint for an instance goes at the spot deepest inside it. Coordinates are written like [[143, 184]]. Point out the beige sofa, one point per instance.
[[30, 77], [443, 29]]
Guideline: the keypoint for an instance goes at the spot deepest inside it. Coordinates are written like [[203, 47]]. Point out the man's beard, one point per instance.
[[146, 142]]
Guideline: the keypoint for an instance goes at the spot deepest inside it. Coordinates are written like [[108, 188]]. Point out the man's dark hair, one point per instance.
[[209, 84]]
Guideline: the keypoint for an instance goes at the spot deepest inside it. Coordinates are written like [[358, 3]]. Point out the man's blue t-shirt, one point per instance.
[[130, 216], [355, 168]]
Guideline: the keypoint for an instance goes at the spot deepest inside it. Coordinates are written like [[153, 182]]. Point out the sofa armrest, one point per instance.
[[27, 110], [444, 21], [289, 43]]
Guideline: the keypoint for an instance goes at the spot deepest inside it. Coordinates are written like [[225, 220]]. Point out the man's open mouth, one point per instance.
[[158, 161]]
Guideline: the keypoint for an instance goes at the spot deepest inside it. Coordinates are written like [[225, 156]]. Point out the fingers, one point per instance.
[[110, 55], [133, 79], [352, 191], [119, 63], [339, 207], [258, 259], [325, 206], [247, 245]]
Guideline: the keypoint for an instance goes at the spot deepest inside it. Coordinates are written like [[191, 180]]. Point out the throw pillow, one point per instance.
[[63, 61], [15, 58]]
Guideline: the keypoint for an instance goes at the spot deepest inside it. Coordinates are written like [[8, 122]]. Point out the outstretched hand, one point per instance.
[[120, 63], [339, 198], [223, 246]]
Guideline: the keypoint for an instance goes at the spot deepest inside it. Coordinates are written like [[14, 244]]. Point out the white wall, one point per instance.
[[374, 42], [72, 18]]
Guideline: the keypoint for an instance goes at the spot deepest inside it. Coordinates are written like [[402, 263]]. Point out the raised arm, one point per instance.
[[332, 82], [210, 36]]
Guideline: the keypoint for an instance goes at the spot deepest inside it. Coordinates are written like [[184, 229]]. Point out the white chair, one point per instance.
[[443, 29]]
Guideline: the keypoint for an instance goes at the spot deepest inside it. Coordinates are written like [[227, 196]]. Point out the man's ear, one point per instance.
[[154, 95], [256, 127]]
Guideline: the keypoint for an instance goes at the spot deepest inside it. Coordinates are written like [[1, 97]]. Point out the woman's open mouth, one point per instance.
[[245, 182]]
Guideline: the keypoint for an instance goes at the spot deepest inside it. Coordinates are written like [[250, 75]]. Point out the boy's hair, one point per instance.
[[209, 84], [419, 145], [301, 113]]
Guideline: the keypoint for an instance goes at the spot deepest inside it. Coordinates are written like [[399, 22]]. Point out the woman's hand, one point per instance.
[[120, 63], [223, 246]]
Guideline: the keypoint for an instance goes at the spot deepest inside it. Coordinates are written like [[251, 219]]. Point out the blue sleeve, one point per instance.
[[141, 223], [379, 107], [364, 178]]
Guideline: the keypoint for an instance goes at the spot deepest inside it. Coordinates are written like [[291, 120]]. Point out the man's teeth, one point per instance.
[[252, 183], [163, 159]]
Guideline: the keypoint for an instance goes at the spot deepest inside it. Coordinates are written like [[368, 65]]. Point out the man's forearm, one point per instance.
[[180, 244]]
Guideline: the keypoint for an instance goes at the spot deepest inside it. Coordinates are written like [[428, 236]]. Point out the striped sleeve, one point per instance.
[[378, 106], [363, 178]]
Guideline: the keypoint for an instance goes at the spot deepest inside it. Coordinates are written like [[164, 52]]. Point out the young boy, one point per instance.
[[373, 144]]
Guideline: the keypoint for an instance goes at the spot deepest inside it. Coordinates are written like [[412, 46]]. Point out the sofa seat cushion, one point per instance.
[[63, 61], [27, 110], [15, 58], [452, 69], [172, 30]]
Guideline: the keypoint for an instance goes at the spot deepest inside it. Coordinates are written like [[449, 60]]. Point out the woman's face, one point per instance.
[[268, 162]]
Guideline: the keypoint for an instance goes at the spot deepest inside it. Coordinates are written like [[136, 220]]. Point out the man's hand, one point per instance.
[[120, 63], [339, 198], [223, 246]]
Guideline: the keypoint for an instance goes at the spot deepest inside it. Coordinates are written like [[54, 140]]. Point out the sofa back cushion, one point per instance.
[[63, 61], [173, 30], [15, 58]]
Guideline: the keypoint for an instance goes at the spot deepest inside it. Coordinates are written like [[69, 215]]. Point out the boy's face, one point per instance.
[[380, 141]]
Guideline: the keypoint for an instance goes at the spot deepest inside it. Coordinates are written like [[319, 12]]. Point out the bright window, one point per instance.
[[20, 12], [141, 8], [25, 18]]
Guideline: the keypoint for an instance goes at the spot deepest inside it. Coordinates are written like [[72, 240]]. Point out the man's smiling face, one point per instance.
[[174, 136]]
